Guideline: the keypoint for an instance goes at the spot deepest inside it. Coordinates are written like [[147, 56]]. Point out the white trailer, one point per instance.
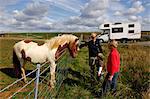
[[120, 31]]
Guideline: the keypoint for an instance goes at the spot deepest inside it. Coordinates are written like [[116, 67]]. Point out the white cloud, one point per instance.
[[94, 8], [60, 27], [136, 8], [32, 18], [118, 13], [20, 16], [116, 5], [36, 9], [3, 12], [33, 11], [115, 0], [133, 18], [146, 20], [90, 13], [96, 12], [36, 15], [67, 5], [126, 13], [4, 3]]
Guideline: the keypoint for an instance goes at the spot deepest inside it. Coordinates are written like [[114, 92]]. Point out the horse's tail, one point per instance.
[[16, 64]]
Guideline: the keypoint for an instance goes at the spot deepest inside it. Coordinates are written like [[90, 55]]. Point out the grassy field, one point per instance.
[[133, 83]]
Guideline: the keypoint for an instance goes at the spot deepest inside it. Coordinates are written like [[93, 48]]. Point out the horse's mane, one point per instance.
[[60, 40]]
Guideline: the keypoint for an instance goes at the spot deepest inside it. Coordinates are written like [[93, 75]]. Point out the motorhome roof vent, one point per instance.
[[117, 23]]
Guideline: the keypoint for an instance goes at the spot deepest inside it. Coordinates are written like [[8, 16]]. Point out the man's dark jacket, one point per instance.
[[94, 48]]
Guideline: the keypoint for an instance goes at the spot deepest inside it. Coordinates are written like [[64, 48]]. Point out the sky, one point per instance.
[[70, 15]]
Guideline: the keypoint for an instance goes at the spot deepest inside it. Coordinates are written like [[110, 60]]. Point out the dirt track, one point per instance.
[[145, 43]]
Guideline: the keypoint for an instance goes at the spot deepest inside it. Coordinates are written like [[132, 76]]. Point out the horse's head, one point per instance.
[[62, 42], [73, 46]]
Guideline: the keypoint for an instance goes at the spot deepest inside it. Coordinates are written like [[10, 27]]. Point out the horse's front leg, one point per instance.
[[23, 70], [23, 74], [52, 74]]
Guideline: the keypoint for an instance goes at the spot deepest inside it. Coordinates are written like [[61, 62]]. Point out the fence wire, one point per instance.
[[44, 90]]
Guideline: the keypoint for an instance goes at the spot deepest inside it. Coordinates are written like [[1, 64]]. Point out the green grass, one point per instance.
[[134, 73], [133, 82]]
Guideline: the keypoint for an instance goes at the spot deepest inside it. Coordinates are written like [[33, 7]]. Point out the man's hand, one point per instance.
[[110, 78]]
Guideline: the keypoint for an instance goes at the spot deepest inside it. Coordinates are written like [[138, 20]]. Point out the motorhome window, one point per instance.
[[131, 31], [106, 25], [117, 30], [131, 25]]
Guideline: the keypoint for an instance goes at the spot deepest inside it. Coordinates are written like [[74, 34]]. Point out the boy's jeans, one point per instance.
[[107, 84]]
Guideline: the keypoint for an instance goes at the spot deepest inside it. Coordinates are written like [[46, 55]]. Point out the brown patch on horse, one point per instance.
[[27, 41], [24, 55], [74, 48], [28, 59], [60, 50], [40, 44], [76, 39]]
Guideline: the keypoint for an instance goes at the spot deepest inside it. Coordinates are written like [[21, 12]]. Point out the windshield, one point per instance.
[[105, 32]]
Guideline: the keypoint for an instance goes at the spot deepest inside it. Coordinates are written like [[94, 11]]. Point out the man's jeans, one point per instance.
[[107, 84]]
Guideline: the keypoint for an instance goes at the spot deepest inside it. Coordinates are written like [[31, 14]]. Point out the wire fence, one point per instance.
[[38, 85]]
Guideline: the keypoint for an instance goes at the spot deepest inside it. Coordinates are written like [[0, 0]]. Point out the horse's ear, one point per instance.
[[76, 39]]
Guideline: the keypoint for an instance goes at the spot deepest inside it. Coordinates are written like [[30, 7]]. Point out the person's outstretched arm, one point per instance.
[[83, 45]]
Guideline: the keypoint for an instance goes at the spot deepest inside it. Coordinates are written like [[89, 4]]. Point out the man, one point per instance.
[[95, 56], [113, 67]]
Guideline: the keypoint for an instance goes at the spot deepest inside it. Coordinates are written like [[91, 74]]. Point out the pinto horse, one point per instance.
[[50, 51]]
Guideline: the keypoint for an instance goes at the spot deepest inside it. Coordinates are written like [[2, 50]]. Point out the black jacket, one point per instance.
[[94, 48]]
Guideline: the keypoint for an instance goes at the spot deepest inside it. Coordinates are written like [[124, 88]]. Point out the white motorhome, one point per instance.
[[120, 31]]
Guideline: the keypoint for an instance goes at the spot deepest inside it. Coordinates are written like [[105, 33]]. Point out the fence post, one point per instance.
[[37, 81]]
